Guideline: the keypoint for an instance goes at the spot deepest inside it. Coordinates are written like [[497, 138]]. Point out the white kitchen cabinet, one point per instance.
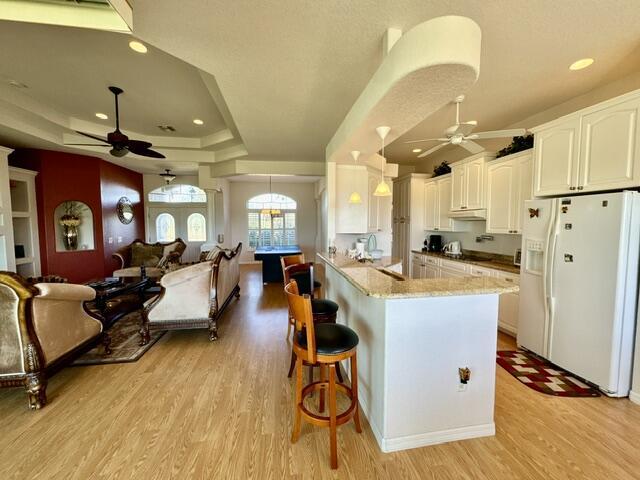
[[437, 201], [556, 157], [408, 216], [431, 272], [431, 217], [357, 218], [508, 186], [373, 210], [430, 266], [468, 183], [609, 150], [594, 149]]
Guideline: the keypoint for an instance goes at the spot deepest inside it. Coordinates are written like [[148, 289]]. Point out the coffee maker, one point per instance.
[[433, 243]]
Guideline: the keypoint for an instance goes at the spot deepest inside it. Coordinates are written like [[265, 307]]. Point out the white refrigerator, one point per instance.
[[579, 285]]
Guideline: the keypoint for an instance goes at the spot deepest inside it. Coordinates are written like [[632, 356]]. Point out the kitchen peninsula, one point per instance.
[[415, 335]]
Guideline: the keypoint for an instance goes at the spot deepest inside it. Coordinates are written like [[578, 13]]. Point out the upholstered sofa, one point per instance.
[[155, 257], [194, 296], [42, 328]]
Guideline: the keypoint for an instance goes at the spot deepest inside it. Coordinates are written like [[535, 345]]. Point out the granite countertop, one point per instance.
[[488, 260], [372, 281]]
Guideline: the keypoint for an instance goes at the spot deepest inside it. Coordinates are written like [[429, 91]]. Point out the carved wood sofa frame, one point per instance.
[[35, 376], [215, 308]]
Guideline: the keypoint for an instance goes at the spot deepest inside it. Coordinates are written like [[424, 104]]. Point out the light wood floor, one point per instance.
[[194, 409]]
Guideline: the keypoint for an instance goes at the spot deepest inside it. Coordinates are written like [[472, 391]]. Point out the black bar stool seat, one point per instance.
[[331, 339]]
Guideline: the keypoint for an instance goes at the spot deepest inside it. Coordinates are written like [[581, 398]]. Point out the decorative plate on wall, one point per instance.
[[125, 210]]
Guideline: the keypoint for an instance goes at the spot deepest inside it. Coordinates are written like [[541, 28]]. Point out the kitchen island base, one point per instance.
[[409, 356]]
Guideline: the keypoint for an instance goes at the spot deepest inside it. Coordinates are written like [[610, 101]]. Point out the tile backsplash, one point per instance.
[[502, 244]]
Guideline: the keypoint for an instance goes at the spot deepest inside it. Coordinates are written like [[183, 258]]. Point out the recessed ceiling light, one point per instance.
[[137, 46], [197, 121], [416, 150], [580, 64], [102, 116]]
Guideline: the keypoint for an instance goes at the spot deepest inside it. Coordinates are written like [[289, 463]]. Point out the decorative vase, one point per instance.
[[70, 237]]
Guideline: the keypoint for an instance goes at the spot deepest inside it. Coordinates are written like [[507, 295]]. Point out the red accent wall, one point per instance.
[[117, 182], [65, 176]]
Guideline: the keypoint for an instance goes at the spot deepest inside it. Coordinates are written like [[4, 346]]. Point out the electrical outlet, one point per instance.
[[462, 387]]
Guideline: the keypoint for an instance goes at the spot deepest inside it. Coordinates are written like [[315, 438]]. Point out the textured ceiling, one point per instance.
[[291, 70]]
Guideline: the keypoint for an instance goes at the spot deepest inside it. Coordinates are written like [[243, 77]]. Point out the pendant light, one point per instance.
[[382, 190], [355, 197], [273, 212]]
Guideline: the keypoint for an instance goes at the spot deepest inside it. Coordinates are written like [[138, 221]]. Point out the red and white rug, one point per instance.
[[542, 376]]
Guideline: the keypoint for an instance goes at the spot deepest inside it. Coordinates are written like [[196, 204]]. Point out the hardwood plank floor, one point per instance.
[[194, 409]]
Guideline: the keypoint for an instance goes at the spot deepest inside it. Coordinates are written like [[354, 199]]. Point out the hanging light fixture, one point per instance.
[[273, 212], [167, 176], [355, 197], [382, 190]]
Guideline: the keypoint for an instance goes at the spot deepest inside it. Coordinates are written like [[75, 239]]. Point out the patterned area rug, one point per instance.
[[124, 343], [542, 376]]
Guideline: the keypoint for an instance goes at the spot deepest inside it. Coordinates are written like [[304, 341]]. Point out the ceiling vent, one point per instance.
[[166, 128]]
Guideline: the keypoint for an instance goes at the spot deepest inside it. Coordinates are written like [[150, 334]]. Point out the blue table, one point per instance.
[[270, 258]]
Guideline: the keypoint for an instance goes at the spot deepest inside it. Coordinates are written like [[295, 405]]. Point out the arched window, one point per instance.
[[178, 194], [271, 220], [196, 228], [165, 228]]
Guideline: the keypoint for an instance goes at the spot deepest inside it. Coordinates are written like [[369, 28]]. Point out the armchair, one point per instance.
[[194, 296], [42, 328], [155, 257]]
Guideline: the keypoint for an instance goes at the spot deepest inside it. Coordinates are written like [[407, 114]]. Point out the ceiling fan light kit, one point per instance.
[[120, 144], [382, 189], [167, 176], [460, 134], [355, 197]]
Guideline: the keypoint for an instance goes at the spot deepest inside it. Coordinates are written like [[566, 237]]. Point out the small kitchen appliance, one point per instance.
[[452, 249], [434, 243]]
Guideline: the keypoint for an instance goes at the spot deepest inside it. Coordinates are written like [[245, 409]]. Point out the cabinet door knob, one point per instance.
[[580, 188], [572, 188]]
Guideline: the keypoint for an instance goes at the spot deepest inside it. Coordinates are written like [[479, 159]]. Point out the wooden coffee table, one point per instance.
[[129, 296]]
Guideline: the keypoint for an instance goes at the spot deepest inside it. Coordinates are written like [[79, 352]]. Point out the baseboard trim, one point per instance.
[[434, 438], [364, 409], [634, 397]]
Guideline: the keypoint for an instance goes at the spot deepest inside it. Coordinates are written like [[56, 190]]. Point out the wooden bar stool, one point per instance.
[[324, 344], [323, 310], [287, 261]]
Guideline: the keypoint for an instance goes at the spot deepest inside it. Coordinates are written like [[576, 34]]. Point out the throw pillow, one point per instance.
[[147, 255]]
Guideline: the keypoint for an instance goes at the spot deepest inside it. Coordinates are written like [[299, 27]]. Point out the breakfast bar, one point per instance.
[[419, 341]]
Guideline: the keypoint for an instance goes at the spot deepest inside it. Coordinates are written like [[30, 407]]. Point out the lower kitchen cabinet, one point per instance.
[[426, 266]]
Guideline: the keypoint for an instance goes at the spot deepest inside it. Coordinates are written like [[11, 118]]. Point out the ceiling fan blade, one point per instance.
[[95, 137], [88, 144], [145, 152], [137, 144], [516, 132], [465, 128], [429, 140], [472, 147], [431, 150]]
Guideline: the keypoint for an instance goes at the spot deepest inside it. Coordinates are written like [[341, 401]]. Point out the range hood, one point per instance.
[[480, 214]]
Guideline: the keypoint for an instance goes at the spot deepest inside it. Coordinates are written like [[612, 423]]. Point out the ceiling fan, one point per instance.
[[460, 134], [120, 144]]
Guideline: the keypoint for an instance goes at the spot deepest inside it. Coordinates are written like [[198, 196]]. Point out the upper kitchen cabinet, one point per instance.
[[508, 186], [609, 152], [591, 150], [556, 157], [468, 183], [437, 202]]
